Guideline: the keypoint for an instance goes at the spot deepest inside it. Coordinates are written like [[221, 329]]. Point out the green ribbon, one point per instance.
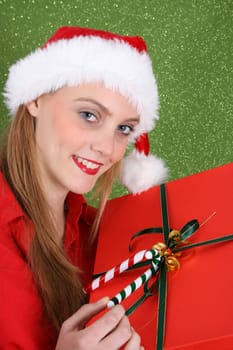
[[163, 275]]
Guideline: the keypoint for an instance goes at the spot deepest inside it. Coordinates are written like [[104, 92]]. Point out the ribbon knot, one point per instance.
[[170, 259]]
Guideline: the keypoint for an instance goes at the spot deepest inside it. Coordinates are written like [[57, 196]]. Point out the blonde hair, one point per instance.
[[57, 279]]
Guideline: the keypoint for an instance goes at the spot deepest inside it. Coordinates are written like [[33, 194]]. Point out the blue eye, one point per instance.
[[126, 129], [90, 117]]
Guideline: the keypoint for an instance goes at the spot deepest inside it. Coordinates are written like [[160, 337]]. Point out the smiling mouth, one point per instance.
[[87, 166]]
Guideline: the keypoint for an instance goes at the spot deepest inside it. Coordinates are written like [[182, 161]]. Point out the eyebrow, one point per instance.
[[102, 107]]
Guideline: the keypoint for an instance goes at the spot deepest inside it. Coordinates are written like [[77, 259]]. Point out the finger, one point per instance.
[[84, 314], [107, 323], [134, 342], [119, 336]]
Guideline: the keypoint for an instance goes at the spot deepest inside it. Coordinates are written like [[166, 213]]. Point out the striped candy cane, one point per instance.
[[151, 254], [116, 270]]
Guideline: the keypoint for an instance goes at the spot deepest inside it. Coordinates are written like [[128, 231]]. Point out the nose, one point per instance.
[[104, 143]]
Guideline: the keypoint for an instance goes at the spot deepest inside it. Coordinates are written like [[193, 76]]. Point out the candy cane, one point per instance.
[[138, 282], [116, 270]]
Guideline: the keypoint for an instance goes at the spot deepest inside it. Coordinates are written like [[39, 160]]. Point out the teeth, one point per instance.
[[87, 164]]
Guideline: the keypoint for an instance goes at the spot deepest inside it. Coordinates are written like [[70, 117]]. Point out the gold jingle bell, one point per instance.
[[161, 247], [172, 263], [174, 235]]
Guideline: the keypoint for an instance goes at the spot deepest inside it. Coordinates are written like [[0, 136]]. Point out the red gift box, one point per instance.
[[199, 308]]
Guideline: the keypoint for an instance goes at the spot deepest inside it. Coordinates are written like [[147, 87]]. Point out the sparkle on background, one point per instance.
[[190, 42]]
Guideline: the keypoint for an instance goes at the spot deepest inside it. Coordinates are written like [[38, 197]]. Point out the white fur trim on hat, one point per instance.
[[84, 59], [140, 171]]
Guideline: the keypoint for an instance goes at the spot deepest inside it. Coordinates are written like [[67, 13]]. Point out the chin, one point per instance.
[[82, 188]]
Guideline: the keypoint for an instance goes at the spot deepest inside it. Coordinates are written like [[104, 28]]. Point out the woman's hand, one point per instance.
[[109, 332]]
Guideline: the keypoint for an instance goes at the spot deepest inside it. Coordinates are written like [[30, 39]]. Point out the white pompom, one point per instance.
[[140, 172]]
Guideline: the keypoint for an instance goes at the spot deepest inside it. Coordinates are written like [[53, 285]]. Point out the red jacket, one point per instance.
[[22, 325]]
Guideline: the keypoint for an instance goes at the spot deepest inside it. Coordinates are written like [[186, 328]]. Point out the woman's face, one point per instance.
[[80, 133]]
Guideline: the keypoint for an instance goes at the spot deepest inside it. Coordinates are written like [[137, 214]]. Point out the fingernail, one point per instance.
[[103, 301]]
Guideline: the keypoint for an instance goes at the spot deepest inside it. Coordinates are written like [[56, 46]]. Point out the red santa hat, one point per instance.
[[73, 56]]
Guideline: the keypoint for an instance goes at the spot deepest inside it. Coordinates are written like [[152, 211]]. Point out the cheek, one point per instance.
[[120, 150], [63, 129], [65, 133]]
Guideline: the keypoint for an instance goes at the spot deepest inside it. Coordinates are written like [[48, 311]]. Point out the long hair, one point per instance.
[[57, 279]]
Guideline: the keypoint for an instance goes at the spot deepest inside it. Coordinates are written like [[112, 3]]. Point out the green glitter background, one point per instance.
[[190, 42]]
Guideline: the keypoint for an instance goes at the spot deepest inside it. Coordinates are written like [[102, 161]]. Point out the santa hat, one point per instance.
[[75, 55]]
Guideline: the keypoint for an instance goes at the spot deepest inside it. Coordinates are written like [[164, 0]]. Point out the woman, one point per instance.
[[75, 103]]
